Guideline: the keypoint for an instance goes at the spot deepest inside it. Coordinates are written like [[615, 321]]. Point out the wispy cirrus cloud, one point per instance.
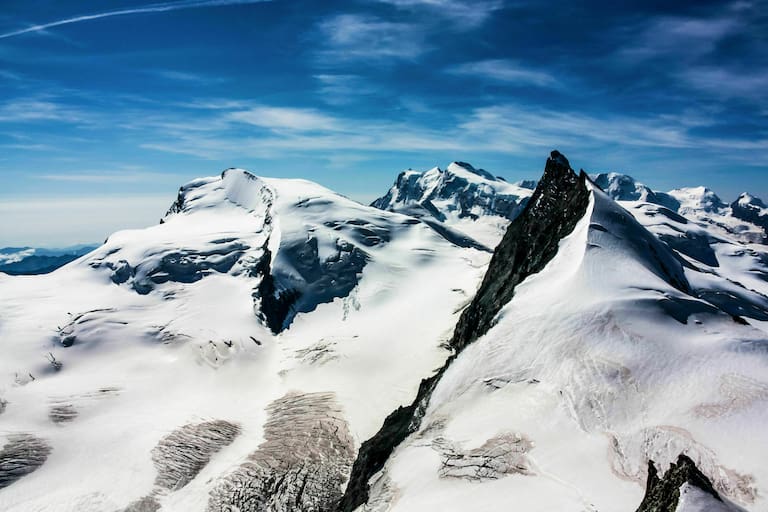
[[728, 83], [184, 76], [107, 177], [284, 118], [508, 71], [40, 109], [150, 8], [355, 37], [343, 89], [468, 14], [503, 128], [678, 37]]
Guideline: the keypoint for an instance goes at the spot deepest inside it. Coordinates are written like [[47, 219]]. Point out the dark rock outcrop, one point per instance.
[[662, 494], [531, 241], [275, 305]]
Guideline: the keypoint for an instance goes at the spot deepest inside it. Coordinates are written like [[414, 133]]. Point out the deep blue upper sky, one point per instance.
[[107, 107]]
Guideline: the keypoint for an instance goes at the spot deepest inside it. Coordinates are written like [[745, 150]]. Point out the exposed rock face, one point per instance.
[[530, 242], [22, 454], [663, 494], [301, 465], [273, 305]]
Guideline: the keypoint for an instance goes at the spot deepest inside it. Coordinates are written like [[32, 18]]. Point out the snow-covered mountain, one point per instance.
[[272, 345], [746, 219], [587, 363], [460, 202], [185, 365]]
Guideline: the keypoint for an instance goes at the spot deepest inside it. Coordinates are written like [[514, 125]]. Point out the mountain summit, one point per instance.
[[460, 198]]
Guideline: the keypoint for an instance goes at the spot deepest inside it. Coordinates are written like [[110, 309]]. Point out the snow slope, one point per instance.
[[118, 365], [604, 360]]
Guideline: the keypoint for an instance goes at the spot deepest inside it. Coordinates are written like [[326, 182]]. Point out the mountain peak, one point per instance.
[[461, 197], [697, 198], [621, 187], [460, 167], [559, 158]]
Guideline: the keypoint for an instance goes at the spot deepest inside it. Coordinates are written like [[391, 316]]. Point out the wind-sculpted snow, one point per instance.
[[21, 454], [300, 466], [721, 269]]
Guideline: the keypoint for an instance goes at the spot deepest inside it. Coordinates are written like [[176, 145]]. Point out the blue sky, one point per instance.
[[106, 108]]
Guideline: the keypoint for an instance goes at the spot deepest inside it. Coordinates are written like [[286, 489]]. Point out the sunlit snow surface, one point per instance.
[[174, 337], [603, 360], [589, 369]]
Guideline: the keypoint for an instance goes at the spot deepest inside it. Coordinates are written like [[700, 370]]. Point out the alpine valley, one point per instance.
[[576, 343]]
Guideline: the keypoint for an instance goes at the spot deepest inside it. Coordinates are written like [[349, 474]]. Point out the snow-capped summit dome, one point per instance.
[[697, 199]]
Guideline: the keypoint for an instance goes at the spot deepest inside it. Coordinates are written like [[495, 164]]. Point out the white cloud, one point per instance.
[[679, 37], [183, 76], [516, 126], [281, 118], [110, 177], [466, 13], [749, 85], [39, 109], [357, 37], [344, 89], [505, 71]]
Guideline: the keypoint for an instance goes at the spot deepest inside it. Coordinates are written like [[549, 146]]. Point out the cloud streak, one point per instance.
[[353, 37], [507, 71], [147, 9]]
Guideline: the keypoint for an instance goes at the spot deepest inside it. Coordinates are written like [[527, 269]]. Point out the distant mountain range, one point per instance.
[[575, 343], [30, 260]]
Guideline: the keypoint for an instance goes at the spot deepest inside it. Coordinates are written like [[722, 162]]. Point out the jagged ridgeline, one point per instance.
[[531, 241]]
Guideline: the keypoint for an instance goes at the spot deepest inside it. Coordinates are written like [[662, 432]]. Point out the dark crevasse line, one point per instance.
[[531, 241]]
